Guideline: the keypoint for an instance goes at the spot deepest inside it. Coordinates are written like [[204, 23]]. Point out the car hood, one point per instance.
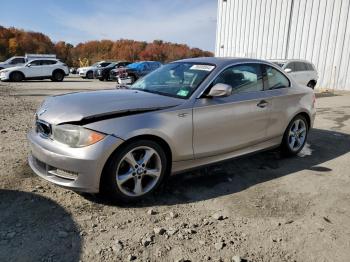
[[88, 107], [12, 68]]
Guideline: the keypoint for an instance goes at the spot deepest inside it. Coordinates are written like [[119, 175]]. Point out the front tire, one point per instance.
[[16, 77], [295, 136], [134, 171]]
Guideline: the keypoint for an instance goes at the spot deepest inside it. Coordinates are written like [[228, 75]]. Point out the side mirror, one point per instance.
[[220, 90], [29, 65], [287, 70]]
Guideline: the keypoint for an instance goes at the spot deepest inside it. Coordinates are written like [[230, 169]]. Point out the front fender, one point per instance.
[[174, 130]]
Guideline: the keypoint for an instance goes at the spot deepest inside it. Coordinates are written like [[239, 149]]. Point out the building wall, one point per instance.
[[315, 30]]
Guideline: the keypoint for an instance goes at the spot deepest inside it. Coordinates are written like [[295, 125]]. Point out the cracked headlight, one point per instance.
[[75, 136]]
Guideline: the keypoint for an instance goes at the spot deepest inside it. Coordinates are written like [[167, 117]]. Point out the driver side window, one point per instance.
[[242, 78]]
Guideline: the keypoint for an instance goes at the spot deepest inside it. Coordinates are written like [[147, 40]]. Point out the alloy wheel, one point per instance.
[[138, 171], [297, 135]]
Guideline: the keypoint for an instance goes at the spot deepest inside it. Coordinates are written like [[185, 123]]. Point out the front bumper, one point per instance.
[[81, 167], [83, 73]]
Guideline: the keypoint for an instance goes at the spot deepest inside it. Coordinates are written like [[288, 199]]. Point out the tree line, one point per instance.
[[15, 41]]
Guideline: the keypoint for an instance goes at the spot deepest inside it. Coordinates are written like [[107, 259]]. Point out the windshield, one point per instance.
[[175, 79]]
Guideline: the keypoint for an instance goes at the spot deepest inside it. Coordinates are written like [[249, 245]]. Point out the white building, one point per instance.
[[315, 30]]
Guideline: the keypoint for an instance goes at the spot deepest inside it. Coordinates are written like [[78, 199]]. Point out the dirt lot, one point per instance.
[[259, 208]]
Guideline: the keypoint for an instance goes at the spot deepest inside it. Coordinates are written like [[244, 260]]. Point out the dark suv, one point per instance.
[[103, 73], [134, 71]]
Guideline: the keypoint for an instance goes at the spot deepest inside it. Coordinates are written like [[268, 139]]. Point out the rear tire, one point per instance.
[[57, 76], [134, 171], [295, 136], [101, 79], [16, 77]]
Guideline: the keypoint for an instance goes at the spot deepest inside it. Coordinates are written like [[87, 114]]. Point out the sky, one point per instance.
[[191, 22]]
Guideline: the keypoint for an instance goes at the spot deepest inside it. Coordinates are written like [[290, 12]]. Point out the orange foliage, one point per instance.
[[18, 42]]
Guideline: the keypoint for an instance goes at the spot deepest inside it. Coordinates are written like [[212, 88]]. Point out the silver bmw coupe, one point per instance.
[[186, 114]]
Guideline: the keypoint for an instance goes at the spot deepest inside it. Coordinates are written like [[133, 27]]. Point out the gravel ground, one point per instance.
[[257, 208]]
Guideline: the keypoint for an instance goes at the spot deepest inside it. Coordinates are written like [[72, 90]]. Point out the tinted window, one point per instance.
[[17, 61], [242, 78], [300, 66], [275, 79], [48, 62], [35, 63], [309, 67], [291, 66]]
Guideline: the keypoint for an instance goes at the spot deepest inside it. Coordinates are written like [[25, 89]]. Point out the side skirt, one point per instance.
[[181, 166]]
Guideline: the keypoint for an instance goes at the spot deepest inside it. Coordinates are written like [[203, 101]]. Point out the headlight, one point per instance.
[[75, 136], [4, 71]]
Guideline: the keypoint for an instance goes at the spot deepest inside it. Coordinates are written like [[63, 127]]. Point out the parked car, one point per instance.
[[88, 72], [73, 70], [21, 60], [104, 72], [186, 114], [47, 68], [13, 61], [134, 71], [302, 71]]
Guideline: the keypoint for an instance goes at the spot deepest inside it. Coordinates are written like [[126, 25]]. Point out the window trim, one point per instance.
[[262, 63]]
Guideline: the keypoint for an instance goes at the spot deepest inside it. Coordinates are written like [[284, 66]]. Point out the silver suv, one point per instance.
[[302, 71]]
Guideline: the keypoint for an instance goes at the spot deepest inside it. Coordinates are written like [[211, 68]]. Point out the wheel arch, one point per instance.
[[18, 72], [153, 138], [58, 70], [301, 113]]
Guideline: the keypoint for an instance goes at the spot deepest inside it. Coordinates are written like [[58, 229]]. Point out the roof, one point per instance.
[[222, 61]]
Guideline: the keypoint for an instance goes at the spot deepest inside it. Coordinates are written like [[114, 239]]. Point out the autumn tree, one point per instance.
[[19, 42]]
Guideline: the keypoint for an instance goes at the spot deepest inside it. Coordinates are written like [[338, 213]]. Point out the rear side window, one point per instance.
[[242, 78], [309, 67], [300, 66], [291, 66], [48, 62], [275, 79]]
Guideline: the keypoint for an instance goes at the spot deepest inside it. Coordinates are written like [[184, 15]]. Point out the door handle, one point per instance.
[[182, 114], [262, 104]]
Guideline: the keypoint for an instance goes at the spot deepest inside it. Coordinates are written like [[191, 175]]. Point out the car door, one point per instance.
[[47, 67], [33, 69], [277, 87], [226, 124]]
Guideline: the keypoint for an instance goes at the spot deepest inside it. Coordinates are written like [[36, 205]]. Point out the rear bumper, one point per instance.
[[78, 169]]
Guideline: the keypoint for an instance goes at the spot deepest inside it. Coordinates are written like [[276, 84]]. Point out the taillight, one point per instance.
[[314, 100]]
